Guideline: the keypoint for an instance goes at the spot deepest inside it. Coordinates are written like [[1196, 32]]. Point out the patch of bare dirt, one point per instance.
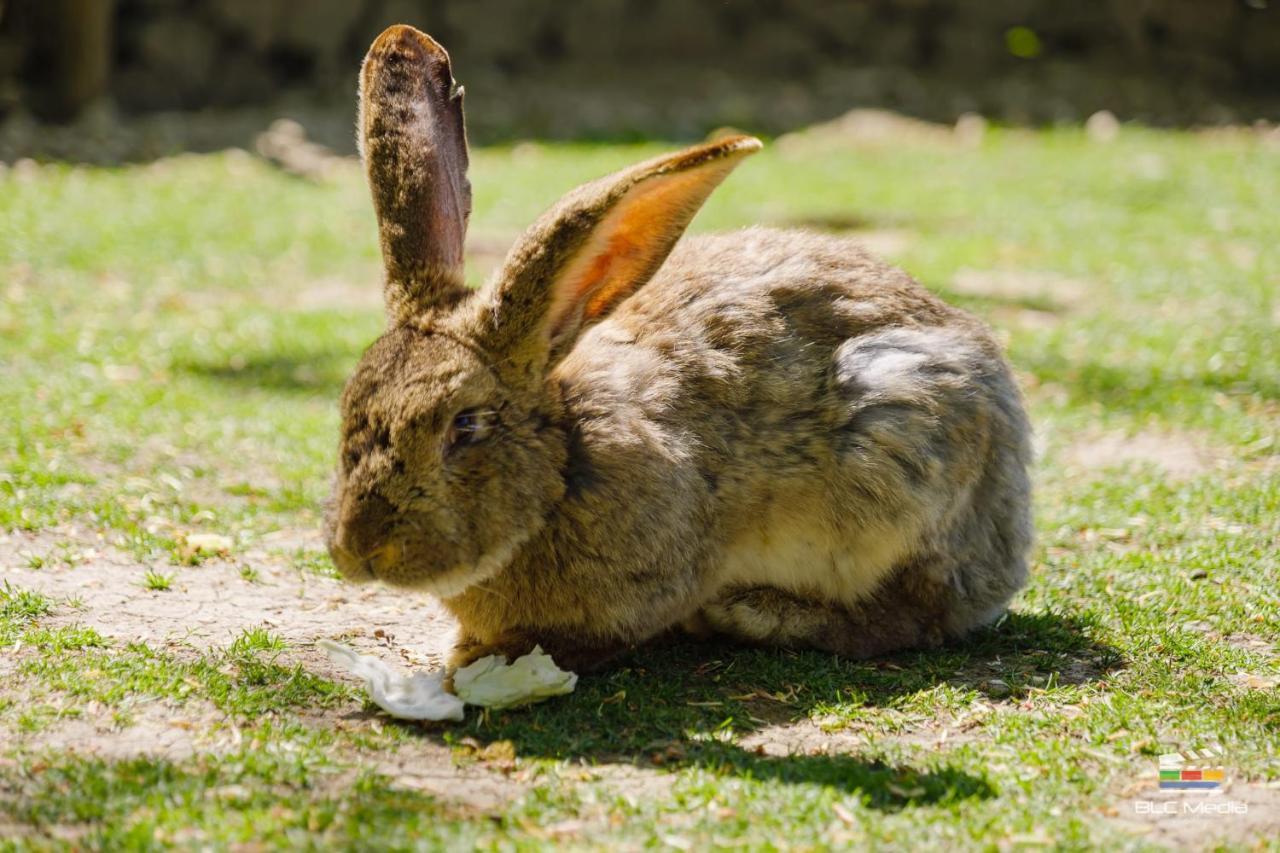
[[157, 728], [1051, 291], [1253, 644], [1242, 814], [832, 737], [332, 294], [430, 769], [284, 144], [1178, 455], [872, 127], [810, 737], [485, 251], [211, 604], [1262, 132], [887, 242], [885, 239], [1025, 299], [1266, 649]]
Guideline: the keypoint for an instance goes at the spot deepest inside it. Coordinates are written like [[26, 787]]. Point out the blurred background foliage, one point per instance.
[[119, 70]]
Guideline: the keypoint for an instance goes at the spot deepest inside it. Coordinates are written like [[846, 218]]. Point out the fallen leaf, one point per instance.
[[1251, 681], [905, 793], [208, 543], [499, 752]]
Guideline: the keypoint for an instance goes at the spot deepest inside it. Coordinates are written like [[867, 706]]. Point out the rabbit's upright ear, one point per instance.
[[597, 247], [414, 144]]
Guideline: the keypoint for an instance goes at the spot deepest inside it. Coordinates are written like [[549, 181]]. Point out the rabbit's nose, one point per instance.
[[350, 565], [363, 528]]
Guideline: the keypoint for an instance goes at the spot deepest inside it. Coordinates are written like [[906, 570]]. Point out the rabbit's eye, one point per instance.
[[469, 427]]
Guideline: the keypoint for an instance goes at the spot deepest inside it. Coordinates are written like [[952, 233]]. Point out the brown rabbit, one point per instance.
[[767, 434]]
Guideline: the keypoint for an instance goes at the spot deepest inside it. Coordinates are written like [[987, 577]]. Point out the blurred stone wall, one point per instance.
[[680, 67]]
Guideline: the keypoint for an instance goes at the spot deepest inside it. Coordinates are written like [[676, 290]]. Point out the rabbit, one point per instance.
[[767, 435]]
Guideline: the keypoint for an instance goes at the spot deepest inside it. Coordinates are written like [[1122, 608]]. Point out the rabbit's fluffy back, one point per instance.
[[775, 409]]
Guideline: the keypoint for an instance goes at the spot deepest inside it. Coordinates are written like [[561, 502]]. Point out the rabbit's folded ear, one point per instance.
[[414, 144], [597, 247]]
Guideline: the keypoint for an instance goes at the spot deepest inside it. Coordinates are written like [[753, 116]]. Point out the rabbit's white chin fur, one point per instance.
[[456, 580]]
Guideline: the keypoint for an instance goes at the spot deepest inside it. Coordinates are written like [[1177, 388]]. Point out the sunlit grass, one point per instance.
[[173, 339]]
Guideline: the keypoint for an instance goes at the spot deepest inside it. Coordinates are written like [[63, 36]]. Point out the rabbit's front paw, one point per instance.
[[569, 654], [468, 650]]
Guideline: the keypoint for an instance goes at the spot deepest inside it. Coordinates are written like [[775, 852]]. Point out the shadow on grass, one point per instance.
[[671, 705], [846, 221], [988, 304], [319, 373], [835, 222]]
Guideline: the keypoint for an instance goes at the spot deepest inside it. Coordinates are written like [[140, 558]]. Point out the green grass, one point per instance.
[[245, 681], [157, 581], [167, 368]]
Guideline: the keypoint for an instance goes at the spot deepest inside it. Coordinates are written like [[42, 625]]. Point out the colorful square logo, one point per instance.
[[1177, 775]]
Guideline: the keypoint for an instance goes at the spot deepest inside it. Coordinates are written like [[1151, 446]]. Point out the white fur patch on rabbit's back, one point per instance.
[[895, 472]]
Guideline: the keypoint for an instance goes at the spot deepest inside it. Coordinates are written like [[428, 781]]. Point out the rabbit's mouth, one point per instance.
[[394, 564], [359, 569], [459, 579]]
